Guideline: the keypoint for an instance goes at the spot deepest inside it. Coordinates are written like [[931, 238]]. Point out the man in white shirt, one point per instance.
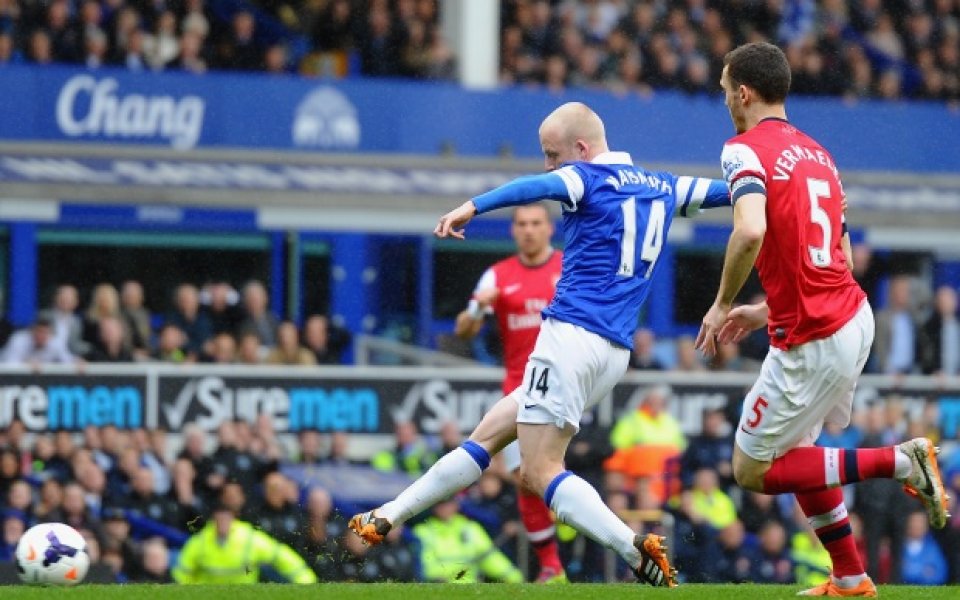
[[36, 346]]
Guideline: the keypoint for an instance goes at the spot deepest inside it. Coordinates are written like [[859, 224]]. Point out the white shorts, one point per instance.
[[569, 371], [802, 388]]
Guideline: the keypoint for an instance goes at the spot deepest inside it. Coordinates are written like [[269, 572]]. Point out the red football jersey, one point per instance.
[[524, 291], [810, 291]]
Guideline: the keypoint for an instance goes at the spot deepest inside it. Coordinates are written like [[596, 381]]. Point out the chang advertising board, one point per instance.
[[102, 108], [72, 402]]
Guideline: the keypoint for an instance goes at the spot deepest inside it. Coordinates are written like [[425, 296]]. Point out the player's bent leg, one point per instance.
[[453, 472], [578, 504], [748, 471], [541, 530], [827, 515]]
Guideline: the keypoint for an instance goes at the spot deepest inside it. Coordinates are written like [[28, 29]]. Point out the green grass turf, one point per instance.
[[402, 591]]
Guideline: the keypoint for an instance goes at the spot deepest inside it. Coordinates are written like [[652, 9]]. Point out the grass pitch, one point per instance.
[[403, 591]]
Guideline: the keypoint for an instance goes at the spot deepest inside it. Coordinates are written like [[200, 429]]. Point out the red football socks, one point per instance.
[[538, 522], [827, 514], [813, 469]]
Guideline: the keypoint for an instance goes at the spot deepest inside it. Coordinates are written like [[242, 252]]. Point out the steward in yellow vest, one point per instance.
[[230, 551]]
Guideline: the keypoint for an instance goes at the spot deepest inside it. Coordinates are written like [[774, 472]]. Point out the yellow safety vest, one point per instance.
[[717, 508], [638, 427], [813, 564], [238, 559], [458, 550]]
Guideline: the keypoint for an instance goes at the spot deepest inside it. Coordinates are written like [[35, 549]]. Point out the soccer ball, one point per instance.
[[52, 554]]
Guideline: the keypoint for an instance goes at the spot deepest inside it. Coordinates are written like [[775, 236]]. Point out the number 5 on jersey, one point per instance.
[[652, 237]]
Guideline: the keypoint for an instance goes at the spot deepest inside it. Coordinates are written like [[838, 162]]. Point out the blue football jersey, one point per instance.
[[615, 222]]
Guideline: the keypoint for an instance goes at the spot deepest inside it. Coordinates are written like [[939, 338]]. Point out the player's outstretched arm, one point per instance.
[[694, 194], [564, 184], [749, 227]]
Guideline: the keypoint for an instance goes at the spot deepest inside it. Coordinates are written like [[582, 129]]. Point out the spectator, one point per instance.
[[688, 357], [14, 526], [412, 454], [162, 47], [190, 58], [279, 515], [10, 470], [20, 498], [67, 325], [230, 551], [643, 346], [187, 316], [288, 350], [133, 58], [41, 48], [881, 503], [309, 446], [37, 346], [222, 349], [275, 60], [712, 449], [773, 564], [320, 541], [736, 555], [339, 450], [155, 566], [172, 345], [232, 460], [95, 49], [250, 351], [146, 502], [136, 317], [647, 439], [110, 346], [75, 511], [50, 507], [94, 482], [9, 54], [379, 44], [104, 303], [923, 560], [257, 316], [940, 336], [896, 339], [66, 40], [706, 502], [326, 340], [456, 549], [240, 50], [221, 307], [119, 549]]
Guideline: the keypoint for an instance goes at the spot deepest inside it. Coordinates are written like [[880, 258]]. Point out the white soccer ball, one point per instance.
[[52, 554]]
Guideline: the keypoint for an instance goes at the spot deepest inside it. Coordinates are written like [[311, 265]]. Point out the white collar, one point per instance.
[[613, 158]]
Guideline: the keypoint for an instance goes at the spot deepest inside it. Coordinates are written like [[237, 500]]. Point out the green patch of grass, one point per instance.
[[401, 591]]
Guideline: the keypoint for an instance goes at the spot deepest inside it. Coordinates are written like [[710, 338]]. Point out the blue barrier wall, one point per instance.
[[259, 111]]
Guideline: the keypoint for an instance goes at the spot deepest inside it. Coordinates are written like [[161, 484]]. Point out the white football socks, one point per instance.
[[449, 475], [577, 504], [902, 467]]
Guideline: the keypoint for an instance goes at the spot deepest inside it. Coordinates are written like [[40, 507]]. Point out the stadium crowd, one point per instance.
[[217, 324], [138, 494], [863, 49]]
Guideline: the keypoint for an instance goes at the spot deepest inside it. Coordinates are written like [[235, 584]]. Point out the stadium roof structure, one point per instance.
[[400, 193]]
